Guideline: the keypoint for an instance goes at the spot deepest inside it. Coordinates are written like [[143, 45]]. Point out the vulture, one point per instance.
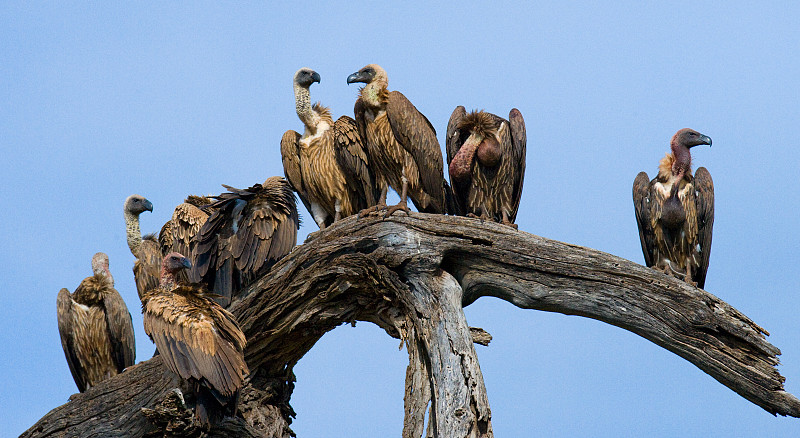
[[675, 212], [401, 145], [486, 162], [177, 233], [95, 327], [197, 339], [327, 165], [146, 249], [247, 233]]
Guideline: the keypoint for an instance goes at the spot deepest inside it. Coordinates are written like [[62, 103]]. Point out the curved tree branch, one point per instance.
[[402, 274]]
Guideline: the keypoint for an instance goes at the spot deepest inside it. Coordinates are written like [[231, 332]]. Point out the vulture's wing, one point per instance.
[[267, 229], [290, 154], [189, 341], [704, 187], [65, 329], [351, 155], [454, 140], [418, 137], [641, 204], [165, 237], [146, 269], [210, 238], [359, 111], [455, 137], [187, 220], [519, 142], [120, 329]]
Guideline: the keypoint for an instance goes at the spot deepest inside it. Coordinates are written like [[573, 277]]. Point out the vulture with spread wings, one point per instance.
[[247, 233]]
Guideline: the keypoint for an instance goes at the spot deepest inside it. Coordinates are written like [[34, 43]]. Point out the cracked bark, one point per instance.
[[403, 274]]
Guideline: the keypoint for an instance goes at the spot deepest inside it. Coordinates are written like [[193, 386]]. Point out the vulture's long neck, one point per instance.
[[376, 93], [168, 279], [134, 234], [302, 103], [683, 160]]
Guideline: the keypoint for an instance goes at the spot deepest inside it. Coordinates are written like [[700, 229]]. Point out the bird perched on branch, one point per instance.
[[197, 339], [95, 327], [248, 232], [675, 212], [327, 165], [486, 162], [401, 145], [146, 249]]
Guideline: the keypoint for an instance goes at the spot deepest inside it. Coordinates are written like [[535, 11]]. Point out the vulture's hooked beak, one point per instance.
[[148, 205], [315, 78], [186, 263], [358, 76], [705, 140]]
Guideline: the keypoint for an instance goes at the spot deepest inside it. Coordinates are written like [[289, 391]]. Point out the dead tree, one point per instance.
[[411, 276]]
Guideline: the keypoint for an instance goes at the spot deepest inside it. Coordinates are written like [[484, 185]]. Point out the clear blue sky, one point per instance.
[[166, 99]]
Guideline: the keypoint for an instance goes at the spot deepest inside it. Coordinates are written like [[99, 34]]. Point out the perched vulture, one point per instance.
[[197, 339], [327, 165], [486, 161], [248, 232], [177, 233], [95, 327], [401, 145], [675, 212], [146, 249]]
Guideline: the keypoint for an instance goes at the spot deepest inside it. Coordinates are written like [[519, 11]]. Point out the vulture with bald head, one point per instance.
[[248, 232], [675, 212], [146, 249], [197, 339], [486, 162], [401, 144], [326, 165], [95, 327]]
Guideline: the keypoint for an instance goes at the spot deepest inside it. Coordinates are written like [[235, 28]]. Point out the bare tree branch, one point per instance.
[[402, 274]]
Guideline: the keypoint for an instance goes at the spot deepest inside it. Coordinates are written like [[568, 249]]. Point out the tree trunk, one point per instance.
[[403, 274]]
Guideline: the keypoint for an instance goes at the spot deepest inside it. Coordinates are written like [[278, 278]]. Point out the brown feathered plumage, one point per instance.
[[177, 233], [197, 339], [146, 249], [248, 232], [401, 144], [675, 212], [486, 162], [95, 327], [327, 165]]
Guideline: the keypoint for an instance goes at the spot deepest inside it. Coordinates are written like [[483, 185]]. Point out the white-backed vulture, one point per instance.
[[486, 162], [327, 166], [146, 249], [401, 145], [197, 339], [95, 327], [248, 232], [675, 212]]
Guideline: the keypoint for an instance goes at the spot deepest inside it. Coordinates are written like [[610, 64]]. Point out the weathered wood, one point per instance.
[[400, 274]]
